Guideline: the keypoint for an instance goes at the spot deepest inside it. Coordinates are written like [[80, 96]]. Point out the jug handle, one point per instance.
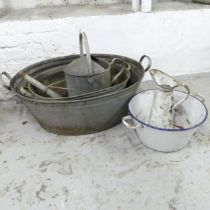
[[83, 41], [149, 62], [185, 98]]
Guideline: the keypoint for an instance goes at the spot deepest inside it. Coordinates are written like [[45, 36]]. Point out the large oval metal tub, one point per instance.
[[76, 117]]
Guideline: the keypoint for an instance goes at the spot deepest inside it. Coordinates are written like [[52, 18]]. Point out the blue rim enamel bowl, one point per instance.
[[165, 139]]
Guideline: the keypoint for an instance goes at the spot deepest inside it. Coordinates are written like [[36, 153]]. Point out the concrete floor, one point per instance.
[[107, 170]]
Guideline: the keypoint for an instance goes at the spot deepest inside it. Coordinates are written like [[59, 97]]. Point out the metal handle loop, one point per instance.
[[149, 62], [127, 124], [2, 80], [9, 95], [199, 97], [83, 41], [121, 71], [185, 98], [127, 65]]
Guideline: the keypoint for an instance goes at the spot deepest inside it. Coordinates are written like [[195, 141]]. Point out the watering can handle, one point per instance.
[[149, 62], [185, 98], [83, 41]]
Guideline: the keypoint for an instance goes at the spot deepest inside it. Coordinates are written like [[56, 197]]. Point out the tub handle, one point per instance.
[[125, 121], [127, 68], [149, 62], [4, 73], [7, 95]]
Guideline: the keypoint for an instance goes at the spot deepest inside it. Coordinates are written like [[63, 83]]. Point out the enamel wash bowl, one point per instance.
[[190, 115]]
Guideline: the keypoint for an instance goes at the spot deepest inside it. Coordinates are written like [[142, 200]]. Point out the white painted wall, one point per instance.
[[178, 42], [20, 4]]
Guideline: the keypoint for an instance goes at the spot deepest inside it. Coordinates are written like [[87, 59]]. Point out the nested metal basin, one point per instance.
[[82, 116], [54, 78]]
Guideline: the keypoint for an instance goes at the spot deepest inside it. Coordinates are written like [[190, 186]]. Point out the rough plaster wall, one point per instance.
[[178, 42], [19, 4]]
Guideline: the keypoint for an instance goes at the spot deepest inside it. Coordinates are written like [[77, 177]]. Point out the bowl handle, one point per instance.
[[199, 97], [126, 121]]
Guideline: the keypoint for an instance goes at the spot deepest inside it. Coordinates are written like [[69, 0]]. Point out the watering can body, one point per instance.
[[84, 75]]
